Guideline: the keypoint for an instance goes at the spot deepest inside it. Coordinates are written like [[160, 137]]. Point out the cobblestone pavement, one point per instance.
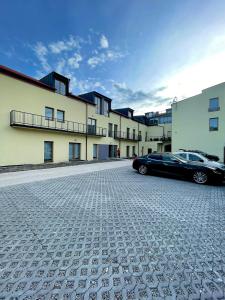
[[112, 234]]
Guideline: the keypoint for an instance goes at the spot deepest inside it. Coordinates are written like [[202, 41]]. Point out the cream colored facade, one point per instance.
[[25, 144], [191, 117]]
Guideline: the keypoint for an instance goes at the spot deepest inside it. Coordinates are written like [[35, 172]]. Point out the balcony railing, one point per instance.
[[163, 138], [126, 136], [24, 119]]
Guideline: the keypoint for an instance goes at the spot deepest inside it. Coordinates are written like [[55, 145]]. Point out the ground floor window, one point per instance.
[[142, 150], [133, 150], [95, 151], [74, 151], [112, 150], [48, 151], [128, 151], [167, 148], [149, 150]]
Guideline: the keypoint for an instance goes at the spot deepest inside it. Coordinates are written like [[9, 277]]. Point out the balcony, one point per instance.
[[29, 120], [125, 136], [163, 138]]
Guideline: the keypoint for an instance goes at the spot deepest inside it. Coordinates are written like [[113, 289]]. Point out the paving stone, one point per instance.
[[112, 234]]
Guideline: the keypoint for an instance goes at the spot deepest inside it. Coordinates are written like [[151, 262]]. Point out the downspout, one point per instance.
[[120, 136], [138, 139], [86, 137]]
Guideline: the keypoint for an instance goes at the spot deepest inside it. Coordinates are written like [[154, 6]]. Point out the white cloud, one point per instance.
[[65, 45], [109, 55], [104, 43], [140, 99], [73, 61], [41, 51]]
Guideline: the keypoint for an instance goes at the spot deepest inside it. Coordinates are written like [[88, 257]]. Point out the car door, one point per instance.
[[155, 163], [172, 166]]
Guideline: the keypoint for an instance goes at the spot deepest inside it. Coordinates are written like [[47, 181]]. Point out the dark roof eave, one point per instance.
[[132, 119], [20, 76]]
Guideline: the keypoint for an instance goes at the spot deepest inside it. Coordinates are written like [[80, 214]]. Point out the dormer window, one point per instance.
[[60, 87], [129, 114], [102, 106]]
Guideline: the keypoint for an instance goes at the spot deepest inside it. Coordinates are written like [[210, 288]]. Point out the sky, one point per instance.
[[140, 53]]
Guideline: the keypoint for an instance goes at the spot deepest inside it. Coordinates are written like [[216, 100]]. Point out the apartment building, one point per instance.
[[42, 121], [199, 122]]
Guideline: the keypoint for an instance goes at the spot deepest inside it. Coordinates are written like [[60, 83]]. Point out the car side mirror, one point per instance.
[[201, 160]]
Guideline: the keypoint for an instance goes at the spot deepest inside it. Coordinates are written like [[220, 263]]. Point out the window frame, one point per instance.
[[53, 113], [52, 151], [110, 129], [59, 89], [63, 111], [214, 128], [211, 109]]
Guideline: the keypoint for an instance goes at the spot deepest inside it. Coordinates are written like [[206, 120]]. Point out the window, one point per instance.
[[102, 106], [60, 116], [128, 133], [182, 155], [95, 151], [133, 150], [91, 126], [98, 105], [142, 150], [133, 134], [115, 130], [74, 151], [110, 130], [60, 87], [106, 108], [193, 157], [146, 136], [155, 156], [48, 151], [214, 104], [49, 113], [129, 114], [213, 124], [128, 151]]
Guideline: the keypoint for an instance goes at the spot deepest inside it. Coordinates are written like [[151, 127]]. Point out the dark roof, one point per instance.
[[95, 93], [124, 109], [15, 74], [140, 119], [57, 75]]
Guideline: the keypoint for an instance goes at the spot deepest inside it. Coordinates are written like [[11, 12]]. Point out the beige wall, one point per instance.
[[190, 129], [26, 146]]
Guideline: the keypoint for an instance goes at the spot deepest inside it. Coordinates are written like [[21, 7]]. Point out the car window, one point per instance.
[[168, 158], [182, 155], [194, 157], [155, 156]]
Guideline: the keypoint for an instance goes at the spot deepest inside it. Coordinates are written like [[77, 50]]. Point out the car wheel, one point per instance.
[[143, 170], [200, 177]]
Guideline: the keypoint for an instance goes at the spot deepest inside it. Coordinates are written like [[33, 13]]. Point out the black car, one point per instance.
[[166, 163]]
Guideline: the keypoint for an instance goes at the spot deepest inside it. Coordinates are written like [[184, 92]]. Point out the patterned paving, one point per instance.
[[112, 234]]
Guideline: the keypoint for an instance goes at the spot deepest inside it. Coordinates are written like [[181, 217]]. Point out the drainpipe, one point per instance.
[[86, 137], [138, 139], [120, 137]]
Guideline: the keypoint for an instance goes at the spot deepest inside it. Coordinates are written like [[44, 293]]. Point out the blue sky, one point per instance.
[[141, 53]]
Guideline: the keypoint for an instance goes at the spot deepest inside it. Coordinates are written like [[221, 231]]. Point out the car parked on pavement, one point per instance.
[[166, 163], [206, 155], [194, 156]]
